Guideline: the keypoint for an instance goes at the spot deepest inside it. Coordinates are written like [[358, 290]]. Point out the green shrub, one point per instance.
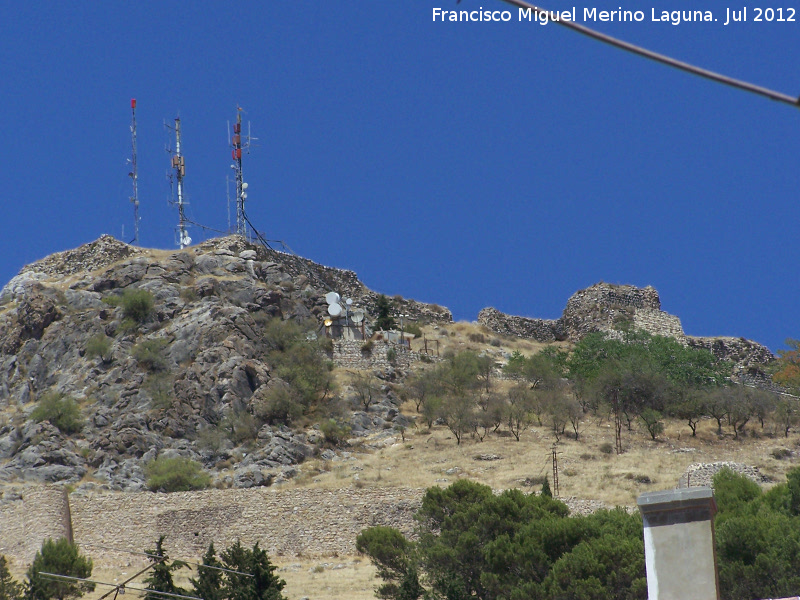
[[391, 355], [159, 386], [781, 453], [367, 346], [335, 433], [477, 338], [413, 328], [326, 345], [137, 305], [175, 475], [112, 300], [99, 346], [150, 354], [278, 407], [59, 410], [189, 294], [128, 326], [607, 448], [241, 426]]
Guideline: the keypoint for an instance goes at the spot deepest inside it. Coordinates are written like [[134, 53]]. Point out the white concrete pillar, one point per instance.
[[679, 547]]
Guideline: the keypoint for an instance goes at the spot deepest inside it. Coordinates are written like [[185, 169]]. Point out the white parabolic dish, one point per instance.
[[332, 297]]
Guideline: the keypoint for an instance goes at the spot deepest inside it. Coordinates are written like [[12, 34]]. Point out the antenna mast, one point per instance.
[[241, 186], [134, 175], [180, 171]]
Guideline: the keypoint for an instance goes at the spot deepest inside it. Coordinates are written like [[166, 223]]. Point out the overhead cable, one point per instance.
[[724, 79]]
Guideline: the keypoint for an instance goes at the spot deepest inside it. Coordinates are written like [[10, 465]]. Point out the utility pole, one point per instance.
[[134, 175], [555, 472], [617, 422]]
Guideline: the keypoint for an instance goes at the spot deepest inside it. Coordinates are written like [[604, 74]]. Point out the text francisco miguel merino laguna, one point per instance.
[[675, 17]]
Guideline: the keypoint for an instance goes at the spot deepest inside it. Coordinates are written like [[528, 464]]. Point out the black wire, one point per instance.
[[311, 271], [205, 227], [607, 39]]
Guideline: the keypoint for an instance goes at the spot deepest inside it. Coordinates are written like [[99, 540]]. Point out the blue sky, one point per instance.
[[467, 164]]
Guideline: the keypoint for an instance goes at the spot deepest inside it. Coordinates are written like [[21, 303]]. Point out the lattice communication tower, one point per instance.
[[179, 165], [238, 144], [134, 175]]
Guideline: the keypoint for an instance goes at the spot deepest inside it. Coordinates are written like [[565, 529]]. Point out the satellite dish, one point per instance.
[[244, 185], [332, 297], [328, 322], [349, 302], [335, 310], [357, 316]]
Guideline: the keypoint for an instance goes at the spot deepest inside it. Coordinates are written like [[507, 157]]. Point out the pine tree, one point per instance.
[[263, 585], [384, 308], [160, 579], [59, 557], [9, 589], [208, 584], [546, 488]]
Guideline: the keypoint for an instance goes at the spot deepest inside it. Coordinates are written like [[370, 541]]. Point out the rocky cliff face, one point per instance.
[[210, 305]]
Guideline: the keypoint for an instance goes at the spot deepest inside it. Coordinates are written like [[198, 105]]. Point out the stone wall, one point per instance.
[[541, 330], [604, 306], [301, 522], [601, 307], [737, 350], [308, 522], [607, 307], [348, 354], [28, 516], [702, 474], [657, 322]]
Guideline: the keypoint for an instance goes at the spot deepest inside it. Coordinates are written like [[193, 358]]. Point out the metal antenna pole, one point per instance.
[[239, 143], [179, 165], [134, 174], [241, 194]]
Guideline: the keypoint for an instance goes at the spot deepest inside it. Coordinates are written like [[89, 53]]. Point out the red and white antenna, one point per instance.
[[134, 175], [179, 165], [239, 143]]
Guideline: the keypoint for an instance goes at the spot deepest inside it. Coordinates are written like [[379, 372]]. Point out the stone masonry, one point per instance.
[[607, 307], [298, 522]]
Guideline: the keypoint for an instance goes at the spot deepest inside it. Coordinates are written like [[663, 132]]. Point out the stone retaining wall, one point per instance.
[[348, 354], [702, 474], [307, 522]]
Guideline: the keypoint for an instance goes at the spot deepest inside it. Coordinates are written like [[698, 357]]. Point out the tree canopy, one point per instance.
[[475, 544], [59, 557]]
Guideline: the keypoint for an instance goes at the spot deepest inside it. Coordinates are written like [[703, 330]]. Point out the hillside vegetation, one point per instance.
[[138, 370]]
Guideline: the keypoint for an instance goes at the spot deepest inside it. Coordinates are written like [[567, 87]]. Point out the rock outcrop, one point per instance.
[[211, 305]]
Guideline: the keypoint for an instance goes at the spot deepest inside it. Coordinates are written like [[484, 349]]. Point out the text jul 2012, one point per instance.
[[673, 17]]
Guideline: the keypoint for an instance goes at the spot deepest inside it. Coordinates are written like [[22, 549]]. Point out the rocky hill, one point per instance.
[[211, 303]]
